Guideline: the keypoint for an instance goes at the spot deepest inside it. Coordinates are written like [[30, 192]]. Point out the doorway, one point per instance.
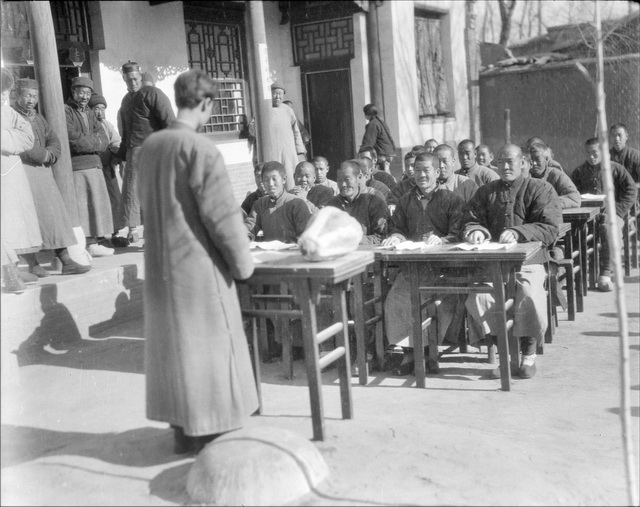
[[328, 105]]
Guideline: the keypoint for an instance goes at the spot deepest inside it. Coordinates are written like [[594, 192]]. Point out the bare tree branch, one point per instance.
[[506, 14]]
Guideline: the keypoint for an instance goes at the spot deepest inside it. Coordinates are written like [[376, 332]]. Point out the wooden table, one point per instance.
[[581, 220], [305, 280], [500, 267]]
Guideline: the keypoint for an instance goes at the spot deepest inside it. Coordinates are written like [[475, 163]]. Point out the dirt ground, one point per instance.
[[74, 430]]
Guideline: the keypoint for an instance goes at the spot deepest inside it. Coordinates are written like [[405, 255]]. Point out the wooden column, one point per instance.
[[259, 62], [375, 66], [472, 72], [43, 41]]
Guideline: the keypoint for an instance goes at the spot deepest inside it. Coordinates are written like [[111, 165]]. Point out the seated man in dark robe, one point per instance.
[[305, 179], [257, 193], [622, 154], [470, 168], [378, 170], [484, 156], [279, 215], [371, 182], [589, 179], [426, 213], [562, 184], [460, 184], [514, 209], [368, 209]]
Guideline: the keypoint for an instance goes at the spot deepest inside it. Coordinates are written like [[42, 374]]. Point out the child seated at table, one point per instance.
[[305, 178], [588, 179], [279, 215]]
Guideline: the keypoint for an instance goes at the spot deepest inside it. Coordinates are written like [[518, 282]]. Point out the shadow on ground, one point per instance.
[[141, 447], [109, 354]]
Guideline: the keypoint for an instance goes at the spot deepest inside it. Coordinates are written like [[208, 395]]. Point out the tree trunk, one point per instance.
[[506, 15], [614, 247]]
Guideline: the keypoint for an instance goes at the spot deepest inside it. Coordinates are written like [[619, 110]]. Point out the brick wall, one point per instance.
[[242, 180]]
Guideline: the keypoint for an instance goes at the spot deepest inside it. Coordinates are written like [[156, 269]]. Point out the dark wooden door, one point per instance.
[[328, 96]]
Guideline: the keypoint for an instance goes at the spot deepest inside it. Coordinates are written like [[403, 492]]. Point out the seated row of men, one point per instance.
[[519, 202]]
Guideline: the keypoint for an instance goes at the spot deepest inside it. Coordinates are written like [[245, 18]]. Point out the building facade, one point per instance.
[[411, 58]]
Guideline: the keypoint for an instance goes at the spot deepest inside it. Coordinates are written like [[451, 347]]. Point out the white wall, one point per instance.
[[280, 52], [153, 36], [400, 82], [360, 84]]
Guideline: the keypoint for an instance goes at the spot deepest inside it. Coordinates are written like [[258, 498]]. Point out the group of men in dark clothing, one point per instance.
[[96, 148], [520, 200]]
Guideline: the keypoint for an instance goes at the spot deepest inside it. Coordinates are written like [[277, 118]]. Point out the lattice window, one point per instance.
[[323, 40], [216, 49], [71, 22]]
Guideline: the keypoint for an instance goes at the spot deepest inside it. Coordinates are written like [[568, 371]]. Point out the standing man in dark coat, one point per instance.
[[145, 109], [198, 370], [377, 134]]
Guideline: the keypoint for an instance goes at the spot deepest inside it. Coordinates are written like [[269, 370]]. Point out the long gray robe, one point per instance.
[[197, 363], [286, 140]]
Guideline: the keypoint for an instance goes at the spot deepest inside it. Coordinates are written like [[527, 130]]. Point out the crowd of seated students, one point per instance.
[[520, 199]]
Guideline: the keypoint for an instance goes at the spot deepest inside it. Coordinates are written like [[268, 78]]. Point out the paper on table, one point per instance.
[[272, 245], [406, 245], [485, 246], [595, 197]]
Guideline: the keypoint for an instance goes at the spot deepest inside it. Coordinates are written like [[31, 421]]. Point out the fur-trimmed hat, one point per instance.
[[31, 84], [97, 99], [82, 81]]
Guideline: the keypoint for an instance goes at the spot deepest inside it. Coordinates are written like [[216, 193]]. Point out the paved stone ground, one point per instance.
[[74, 430]]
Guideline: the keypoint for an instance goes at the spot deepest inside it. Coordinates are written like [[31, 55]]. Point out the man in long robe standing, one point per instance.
[[287, 141], [197, 364]]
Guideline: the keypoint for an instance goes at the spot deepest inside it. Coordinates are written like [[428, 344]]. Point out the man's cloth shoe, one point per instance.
[[29, 278], [133, 236], [12, 282], [495, 373], [528, 366], [38, 271], [605, 284], [97, 250], [73, 268], [119, 242]]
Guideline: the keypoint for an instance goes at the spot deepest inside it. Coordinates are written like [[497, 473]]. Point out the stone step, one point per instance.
[[64, 308]]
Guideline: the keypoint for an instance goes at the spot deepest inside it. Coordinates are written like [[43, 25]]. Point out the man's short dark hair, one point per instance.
[[320, 158], [487, 147], [429, 140], [592, 141], [464, 142], [357, 164], [370, 149], [370, 110], [619, 126], [274, 166], [409, 154], [192, 87], [425, 155], [445, 147], [258, 168]]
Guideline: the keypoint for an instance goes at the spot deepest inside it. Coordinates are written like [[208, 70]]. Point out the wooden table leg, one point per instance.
[[416, 318], [358, 319], [584, 256], [379, 309], [307, 303], [503, 342], [596, 254], [344, 365]]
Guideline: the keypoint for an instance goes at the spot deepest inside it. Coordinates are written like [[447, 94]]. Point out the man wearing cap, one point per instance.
[[87, 139], [145, 109], [19, 227], [56, 227], [110, 162], [287, 141]]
